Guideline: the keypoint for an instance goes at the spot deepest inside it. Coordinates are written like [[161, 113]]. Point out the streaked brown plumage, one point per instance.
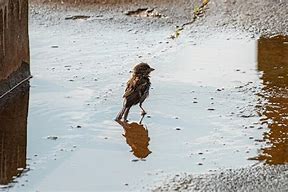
[[137, 89]]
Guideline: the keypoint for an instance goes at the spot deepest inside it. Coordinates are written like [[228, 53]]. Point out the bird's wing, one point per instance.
[[131, 87], [135, 86]]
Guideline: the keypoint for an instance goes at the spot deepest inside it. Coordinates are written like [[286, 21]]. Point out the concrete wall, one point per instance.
[[14, 43]]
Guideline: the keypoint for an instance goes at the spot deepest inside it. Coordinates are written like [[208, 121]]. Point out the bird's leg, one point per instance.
[[143, 111], [126, 113], [140, 122]]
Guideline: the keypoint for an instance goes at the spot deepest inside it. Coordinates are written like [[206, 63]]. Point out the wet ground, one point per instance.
[[270, 174], [214, 105]]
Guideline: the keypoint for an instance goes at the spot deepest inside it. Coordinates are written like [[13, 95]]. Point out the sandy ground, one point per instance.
[[202, 116], [262, 178], [257, 17]]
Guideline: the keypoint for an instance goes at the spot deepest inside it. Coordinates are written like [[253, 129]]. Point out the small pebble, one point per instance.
[[52, 137]]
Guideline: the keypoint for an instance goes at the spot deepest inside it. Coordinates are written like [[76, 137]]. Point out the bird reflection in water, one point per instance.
[[273, 63], [137, 138]]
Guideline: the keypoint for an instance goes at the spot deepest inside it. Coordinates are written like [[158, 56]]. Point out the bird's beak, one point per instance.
[[151, 69]]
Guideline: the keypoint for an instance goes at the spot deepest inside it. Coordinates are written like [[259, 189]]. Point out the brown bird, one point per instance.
[[137, 89]]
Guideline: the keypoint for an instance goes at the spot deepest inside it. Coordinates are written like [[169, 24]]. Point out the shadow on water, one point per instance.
[[137, 138], [273, 63], [13, 133]]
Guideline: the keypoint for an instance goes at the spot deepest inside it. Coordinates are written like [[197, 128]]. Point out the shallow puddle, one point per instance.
[[203, 112]]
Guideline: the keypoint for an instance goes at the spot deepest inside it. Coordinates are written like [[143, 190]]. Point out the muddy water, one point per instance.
[[201, 112]]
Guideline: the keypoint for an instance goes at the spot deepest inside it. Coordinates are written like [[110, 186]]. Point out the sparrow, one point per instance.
[[137, 90]]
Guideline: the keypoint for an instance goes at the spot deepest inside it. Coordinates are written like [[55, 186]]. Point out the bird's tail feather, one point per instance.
[[120, 114], [126, 112]]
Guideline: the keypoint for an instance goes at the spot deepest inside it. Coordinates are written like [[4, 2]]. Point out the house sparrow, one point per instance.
[[137, 89]]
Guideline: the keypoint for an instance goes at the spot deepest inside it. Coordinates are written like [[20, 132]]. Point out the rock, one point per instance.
[[76, 17], [52, 137]]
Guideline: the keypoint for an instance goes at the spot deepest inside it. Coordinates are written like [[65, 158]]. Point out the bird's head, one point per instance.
[[142, 69]]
